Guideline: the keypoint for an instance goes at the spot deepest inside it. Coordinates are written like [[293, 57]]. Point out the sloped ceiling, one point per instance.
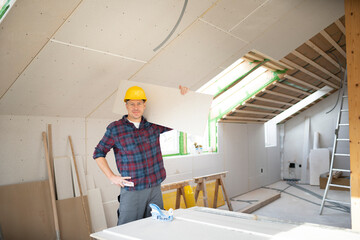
[[65, 58]]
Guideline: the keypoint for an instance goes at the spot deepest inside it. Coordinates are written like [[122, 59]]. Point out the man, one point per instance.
[[136, 146]]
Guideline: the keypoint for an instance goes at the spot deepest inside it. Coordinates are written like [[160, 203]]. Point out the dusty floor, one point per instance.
[[299, 203]]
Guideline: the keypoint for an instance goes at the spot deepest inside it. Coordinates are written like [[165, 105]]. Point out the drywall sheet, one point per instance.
[[205, 223], [319, 164], [110, 209], [96, 210], [81, 172], [166, 106], [63, 178]]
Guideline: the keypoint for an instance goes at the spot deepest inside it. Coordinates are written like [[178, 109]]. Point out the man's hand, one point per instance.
[[183, 90], [120, 181]]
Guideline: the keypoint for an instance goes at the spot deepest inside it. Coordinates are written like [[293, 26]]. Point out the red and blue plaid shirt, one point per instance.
[[137, 151]]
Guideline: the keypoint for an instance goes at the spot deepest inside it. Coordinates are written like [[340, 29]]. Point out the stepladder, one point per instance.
[[340, 157]]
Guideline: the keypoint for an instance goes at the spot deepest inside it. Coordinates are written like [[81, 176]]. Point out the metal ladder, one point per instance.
[[336, 154]]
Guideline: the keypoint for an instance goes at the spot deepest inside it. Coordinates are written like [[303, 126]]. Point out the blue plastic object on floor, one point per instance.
[[161, 215]]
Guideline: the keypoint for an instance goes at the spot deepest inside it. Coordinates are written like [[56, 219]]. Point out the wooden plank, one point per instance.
[[311, 62], [52, 187], [324, 54], [282, 95], [255, 112], [253, 207], [175, 185], [35, 217], [222, 183], [264, 107], [301, 82], [310, 73], [246, 118], [332, 42], [352, 18], [294, 89], [340, 26], [273, 101]]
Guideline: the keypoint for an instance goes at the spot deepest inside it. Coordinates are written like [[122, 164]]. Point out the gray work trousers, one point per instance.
[[134, 205]]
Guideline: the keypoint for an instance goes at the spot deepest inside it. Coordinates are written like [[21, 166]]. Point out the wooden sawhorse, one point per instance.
[[201, 186], [179, 186]]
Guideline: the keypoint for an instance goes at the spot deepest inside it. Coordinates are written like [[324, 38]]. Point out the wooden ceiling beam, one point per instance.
[[273, 101], [292, 88], [340, 26], [332, 42], [324, 54], [281, 95], [273, 60], [255, 112], [237, 121], [311, 62], [263, 107], [289, 77], [310, 73], [270, 64], [246, 118]]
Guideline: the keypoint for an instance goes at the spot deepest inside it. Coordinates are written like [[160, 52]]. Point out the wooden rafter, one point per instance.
[[302, 82], [340, 26], [246, 118], [311, 62], [282, 95], [263, 107], [324, 54], [273, 101], [238, 121], [332, 41], [292, 88], [310, 73], [255, 112]]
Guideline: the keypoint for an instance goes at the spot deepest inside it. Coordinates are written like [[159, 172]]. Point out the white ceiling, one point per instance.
[[65, 58]]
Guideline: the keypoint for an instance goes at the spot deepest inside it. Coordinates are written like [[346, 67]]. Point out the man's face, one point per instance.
[[135, 109]]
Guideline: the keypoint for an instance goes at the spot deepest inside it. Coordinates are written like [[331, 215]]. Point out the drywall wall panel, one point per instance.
[[178, 168], [265, 16], [22, 149], [229, 14], [273, 165], [128, 28], [234, 148], [320, 122], [257, 168], [65, 81], [24, 31], [202, 45], [297, 26], [186, 116], [319, 160], [110, 209], [97, 214], [205, 164]]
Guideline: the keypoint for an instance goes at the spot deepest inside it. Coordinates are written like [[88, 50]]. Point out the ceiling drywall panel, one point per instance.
[[105, 110], [24, 31], [66, 81], [297, 26], [265, 16], [190, 57], [128, 28], [227, 14]]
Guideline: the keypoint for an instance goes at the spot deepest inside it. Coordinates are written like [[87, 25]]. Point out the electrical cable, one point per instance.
[[174, 28]]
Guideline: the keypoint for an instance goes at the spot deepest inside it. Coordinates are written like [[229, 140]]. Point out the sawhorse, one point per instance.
[[201, 186], [179, 186]]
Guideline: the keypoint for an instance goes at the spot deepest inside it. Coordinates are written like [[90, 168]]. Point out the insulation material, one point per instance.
[[319, 163], [63, 178], [187, 113], [96, 210]]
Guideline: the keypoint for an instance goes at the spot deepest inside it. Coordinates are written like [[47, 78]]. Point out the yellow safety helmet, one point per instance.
[[135, 93]]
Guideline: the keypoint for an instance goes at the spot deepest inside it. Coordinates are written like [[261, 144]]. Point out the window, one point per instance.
[[169, 142]]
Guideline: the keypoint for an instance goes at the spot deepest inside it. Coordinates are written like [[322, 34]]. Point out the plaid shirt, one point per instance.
[[137, 151]]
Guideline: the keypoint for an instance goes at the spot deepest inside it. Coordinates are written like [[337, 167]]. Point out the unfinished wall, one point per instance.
[[249, 163], [319, 122]]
